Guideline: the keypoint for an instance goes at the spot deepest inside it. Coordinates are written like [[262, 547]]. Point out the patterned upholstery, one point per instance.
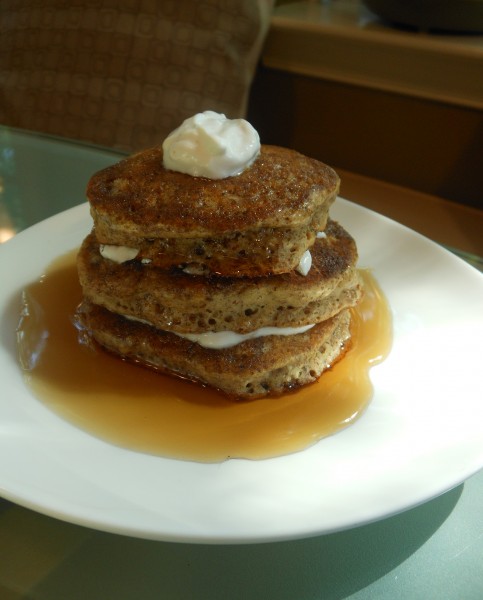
[[124, 73]]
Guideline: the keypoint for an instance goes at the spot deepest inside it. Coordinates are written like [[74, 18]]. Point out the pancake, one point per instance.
[[257, 223], [252, 369], [176, 301]]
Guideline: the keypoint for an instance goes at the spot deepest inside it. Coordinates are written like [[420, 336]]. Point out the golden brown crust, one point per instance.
[[176, 301], [141, 198]]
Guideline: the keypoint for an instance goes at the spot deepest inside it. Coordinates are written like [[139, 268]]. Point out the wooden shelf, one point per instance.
[[445, 222]]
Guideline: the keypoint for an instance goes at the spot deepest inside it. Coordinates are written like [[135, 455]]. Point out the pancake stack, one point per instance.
[[176, 265]]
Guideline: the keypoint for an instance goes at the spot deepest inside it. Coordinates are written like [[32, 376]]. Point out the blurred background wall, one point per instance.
[[425, 145], [391, 96]]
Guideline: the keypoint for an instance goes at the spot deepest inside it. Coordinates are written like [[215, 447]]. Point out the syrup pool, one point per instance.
[[136, 408]]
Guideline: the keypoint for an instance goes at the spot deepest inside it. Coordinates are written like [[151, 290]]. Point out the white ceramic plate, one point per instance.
[[420, 436]]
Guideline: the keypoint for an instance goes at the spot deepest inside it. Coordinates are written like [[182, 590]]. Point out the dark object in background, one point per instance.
[[452, 16]]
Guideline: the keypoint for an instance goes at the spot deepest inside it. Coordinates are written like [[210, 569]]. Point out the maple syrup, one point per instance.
[[136, 408]]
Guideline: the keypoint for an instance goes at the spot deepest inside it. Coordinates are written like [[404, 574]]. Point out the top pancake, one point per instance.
[[282, 188]]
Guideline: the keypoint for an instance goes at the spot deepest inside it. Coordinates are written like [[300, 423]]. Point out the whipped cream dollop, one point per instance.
[[210, 145]]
